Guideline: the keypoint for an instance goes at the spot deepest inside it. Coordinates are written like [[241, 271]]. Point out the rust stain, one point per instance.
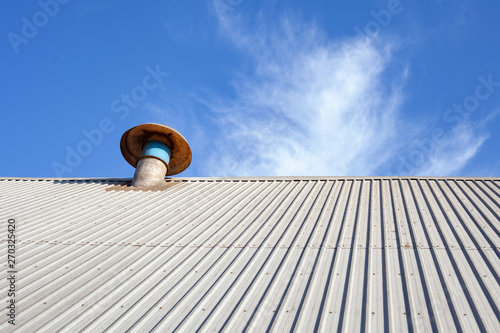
[[128, 187]]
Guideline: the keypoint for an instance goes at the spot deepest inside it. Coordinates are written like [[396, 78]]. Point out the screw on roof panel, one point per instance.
[[155, 151]]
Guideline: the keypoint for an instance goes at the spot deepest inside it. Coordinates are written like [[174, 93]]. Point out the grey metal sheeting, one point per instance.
[[234, 254]]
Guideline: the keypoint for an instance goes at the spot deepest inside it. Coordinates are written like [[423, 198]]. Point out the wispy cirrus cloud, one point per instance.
[[309, 106], [453, 152], [446, 153]]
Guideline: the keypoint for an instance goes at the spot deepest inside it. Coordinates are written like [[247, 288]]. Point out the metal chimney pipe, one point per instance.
[[155, 151], [153, 164]]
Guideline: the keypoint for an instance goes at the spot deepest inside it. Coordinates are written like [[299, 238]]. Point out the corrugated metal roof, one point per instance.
[[235, 254]]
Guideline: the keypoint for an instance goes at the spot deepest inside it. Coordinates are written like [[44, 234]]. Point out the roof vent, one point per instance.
[[155, 151]]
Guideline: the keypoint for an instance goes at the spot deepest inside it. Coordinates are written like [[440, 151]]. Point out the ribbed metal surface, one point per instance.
[[280, 254]]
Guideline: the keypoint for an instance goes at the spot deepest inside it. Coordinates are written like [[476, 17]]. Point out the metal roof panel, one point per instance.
[[278, 253]]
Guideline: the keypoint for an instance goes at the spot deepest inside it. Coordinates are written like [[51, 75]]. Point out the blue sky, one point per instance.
[[258, 88]]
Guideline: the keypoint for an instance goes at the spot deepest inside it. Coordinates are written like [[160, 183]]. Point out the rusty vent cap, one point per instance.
[[134, 139]]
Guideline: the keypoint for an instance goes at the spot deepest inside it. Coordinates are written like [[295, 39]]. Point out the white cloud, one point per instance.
[[453, 152], [311, 106], [449, 153]]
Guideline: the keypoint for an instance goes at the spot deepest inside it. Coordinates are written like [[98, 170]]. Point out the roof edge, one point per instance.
[[253, 178]]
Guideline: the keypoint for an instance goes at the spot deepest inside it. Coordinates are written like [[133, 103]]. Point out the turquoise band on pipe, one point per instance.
[[157, 149]]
